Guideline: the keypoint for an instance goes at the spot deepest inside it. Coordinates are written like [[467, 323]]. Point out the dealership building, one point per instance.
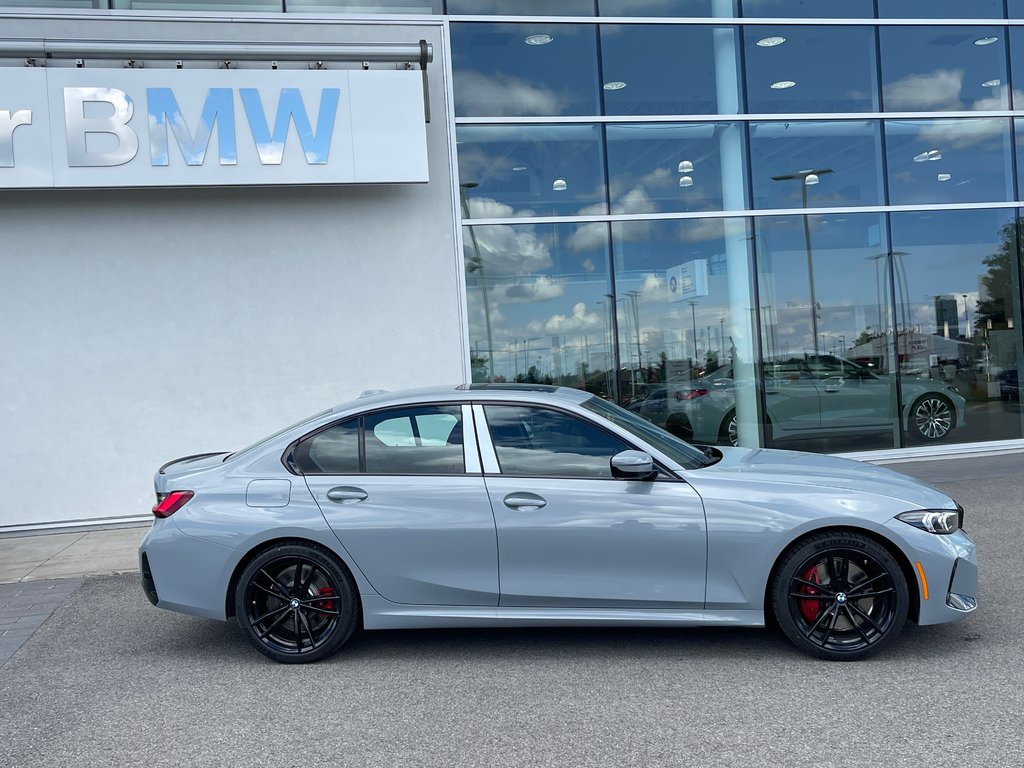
[[776, 223]]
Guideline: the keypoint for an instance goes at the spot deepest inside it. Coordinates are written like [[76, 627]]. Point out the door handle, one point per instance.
[[524, 502], [346, 494]]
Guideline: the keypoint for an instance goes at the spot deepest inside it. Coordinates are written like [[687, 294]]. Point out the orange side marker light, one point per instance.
[[924, 581]]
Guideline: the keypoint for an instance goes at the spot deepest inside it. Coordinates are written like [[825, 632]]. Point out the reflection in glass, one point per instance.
[[795, 9], [525, 69], [667, 8], [642, 65], [1017, 65], [521, 7], [531, 170], [365, 6], [949, 161], [675, 323], [660, 167], [940, 9], [959, 317], [788, 70], [933, 69], [539, 308], [828, 372], [198, 5], [1019, 133], [55, 4], [1015, 8], [847, 152]]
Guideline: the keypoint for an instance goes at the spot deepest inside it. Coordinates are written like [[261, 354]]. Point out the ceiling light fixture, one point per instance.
[[770, 42], [783, 84], [985, 40], [992, 83], [686, 181], [944, 176], [614, 85], [559, 185], [811, 179], [519, 168], [931, 154], [685, 166], [538, 39]]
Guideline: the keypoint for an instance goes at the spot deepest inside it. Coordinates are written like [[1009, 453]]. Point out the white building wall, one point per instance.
[[138, 326]]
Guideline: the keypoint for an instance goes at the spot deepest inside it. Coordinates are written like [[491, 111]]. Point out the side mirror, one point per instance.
[[633, 465]]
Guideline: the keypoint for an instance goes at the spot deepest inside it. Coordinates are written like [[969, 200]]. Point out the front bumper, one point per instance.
[[945, 569]]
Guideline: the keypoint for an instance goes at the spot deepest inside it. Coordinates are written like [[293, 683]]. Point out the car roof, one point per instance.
[[463, 392]]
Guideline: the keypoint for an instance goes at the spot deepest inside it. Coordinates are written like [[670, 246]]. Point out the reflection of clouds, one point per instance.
[[701, 230], [489, 208], [936, 90], [962, 133], [542, 289], [579, 321], [588, 266], [594, 235], [501, 95]]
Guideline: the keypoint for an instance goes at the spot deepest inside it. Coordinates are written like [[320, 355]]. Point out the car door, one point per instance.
[[571, 535], [408, 503], [851, 396]]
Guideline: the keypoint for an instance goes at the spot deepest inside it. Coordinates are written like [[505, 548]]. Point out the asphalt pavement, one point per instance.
[[110, 680]]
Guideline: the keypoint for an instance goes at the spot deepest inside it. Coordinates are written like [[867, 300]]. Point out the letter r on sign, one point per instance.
[[8, 122]]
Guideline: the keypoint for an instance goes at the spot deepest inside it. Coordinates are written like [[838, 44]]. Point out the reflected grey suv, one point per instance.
[[809, 395]]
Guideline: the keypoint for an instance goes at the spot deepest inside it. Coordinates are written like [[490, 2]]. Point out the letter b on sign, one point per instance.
[[115, 125]]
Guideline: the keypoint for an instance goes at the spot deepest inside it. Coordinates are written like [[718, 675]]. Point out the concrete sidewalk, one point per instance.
[[66, 555]]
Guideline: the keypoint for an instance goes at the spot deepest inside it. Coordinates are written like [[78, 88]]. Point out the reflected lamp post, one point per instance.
[[693, 319], [967, 318], [807, 179], [636, 326], [476, 264]]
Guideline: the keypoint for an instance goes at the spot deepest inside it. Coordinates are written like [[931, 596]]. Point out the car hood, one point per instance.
[[771, 468]]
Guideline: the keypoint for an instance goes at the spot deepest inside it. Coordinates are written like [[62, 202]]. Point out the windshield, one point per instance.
[[680, 451]]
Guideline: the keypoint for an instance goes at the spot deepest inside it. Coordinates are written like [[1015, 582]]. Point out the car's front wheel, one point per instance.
[[296, 603], [839, 596]]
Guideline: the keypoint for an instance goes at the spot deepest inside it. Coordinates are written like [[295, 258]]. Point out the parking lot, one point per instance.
[[109, 680]]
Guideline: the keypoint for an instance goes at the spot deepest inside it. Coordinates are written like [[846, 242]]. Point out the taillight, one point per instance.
[[171, 503], [692, 394]]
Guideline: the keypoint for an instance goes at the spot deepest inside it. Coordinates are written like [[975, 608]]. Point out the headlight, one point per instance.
[[941, 521]]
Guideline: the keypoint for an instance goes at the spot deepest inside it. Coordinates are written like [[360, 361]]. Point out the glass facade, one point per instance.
[[801, 235]]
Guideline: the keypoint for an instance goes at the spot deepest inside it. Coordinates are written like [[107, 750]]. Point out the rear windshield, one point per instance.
[[296, 425], [681, 451]]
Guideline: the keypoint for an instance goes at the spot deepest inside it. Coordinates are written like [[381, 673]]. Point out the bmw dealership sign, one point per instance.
[[68, 128]]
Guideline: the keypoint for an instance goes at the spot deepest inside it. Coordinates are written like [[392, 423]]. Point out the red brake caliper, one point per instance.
[[810, 609], [327, 605]]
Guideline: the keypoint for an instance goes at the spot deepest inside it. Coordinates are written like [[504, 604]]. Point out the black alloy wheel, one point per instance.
[[840, 596], [296, 604], [931, 418]]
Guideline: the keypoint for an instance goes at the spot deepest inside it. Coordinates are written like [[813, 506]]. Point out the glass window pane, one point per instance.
[[786, 71], [840, 162], [525, 69], [641, 66], [949, 161], [661, 167], [415, 441], [827, 377], [933, 69], [537, 442], [364, 6], [1019, 124], [1016, 9], [1017, 66], [54, 4], [521, 7], [959, 314], [531, 170], [197, 5], [666, 8], [796, 9], [940, 9], [335, 451], [538, 304], [675, 324]]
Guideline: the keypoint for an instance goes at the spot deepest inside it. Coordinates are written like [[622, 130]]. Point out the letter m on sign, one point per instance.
[[218, 109], [317, 147]]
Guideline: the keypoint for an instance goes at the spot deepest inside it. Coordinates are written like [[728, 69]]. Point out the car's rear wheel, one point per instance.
[[840, 596], [729, 432], [296, 603], [931, 418]]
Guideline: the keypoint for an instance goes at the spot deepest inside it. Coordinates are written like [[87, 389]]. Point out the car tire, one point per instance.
[[839, 596], [729, 432], [296, 603], [932, 417]]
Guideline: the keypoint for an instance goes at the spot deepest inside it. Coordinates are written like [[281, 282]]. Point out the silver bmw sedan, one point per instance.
[[527, 505]]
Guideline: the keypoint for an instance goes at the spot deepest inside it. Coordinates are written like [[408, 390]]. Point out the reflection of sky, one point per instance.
[[940, 9], [794, 9]]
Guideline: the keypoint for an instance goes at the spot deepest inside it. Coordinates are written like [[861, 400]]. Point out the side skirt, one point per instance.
[[381, 614]]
